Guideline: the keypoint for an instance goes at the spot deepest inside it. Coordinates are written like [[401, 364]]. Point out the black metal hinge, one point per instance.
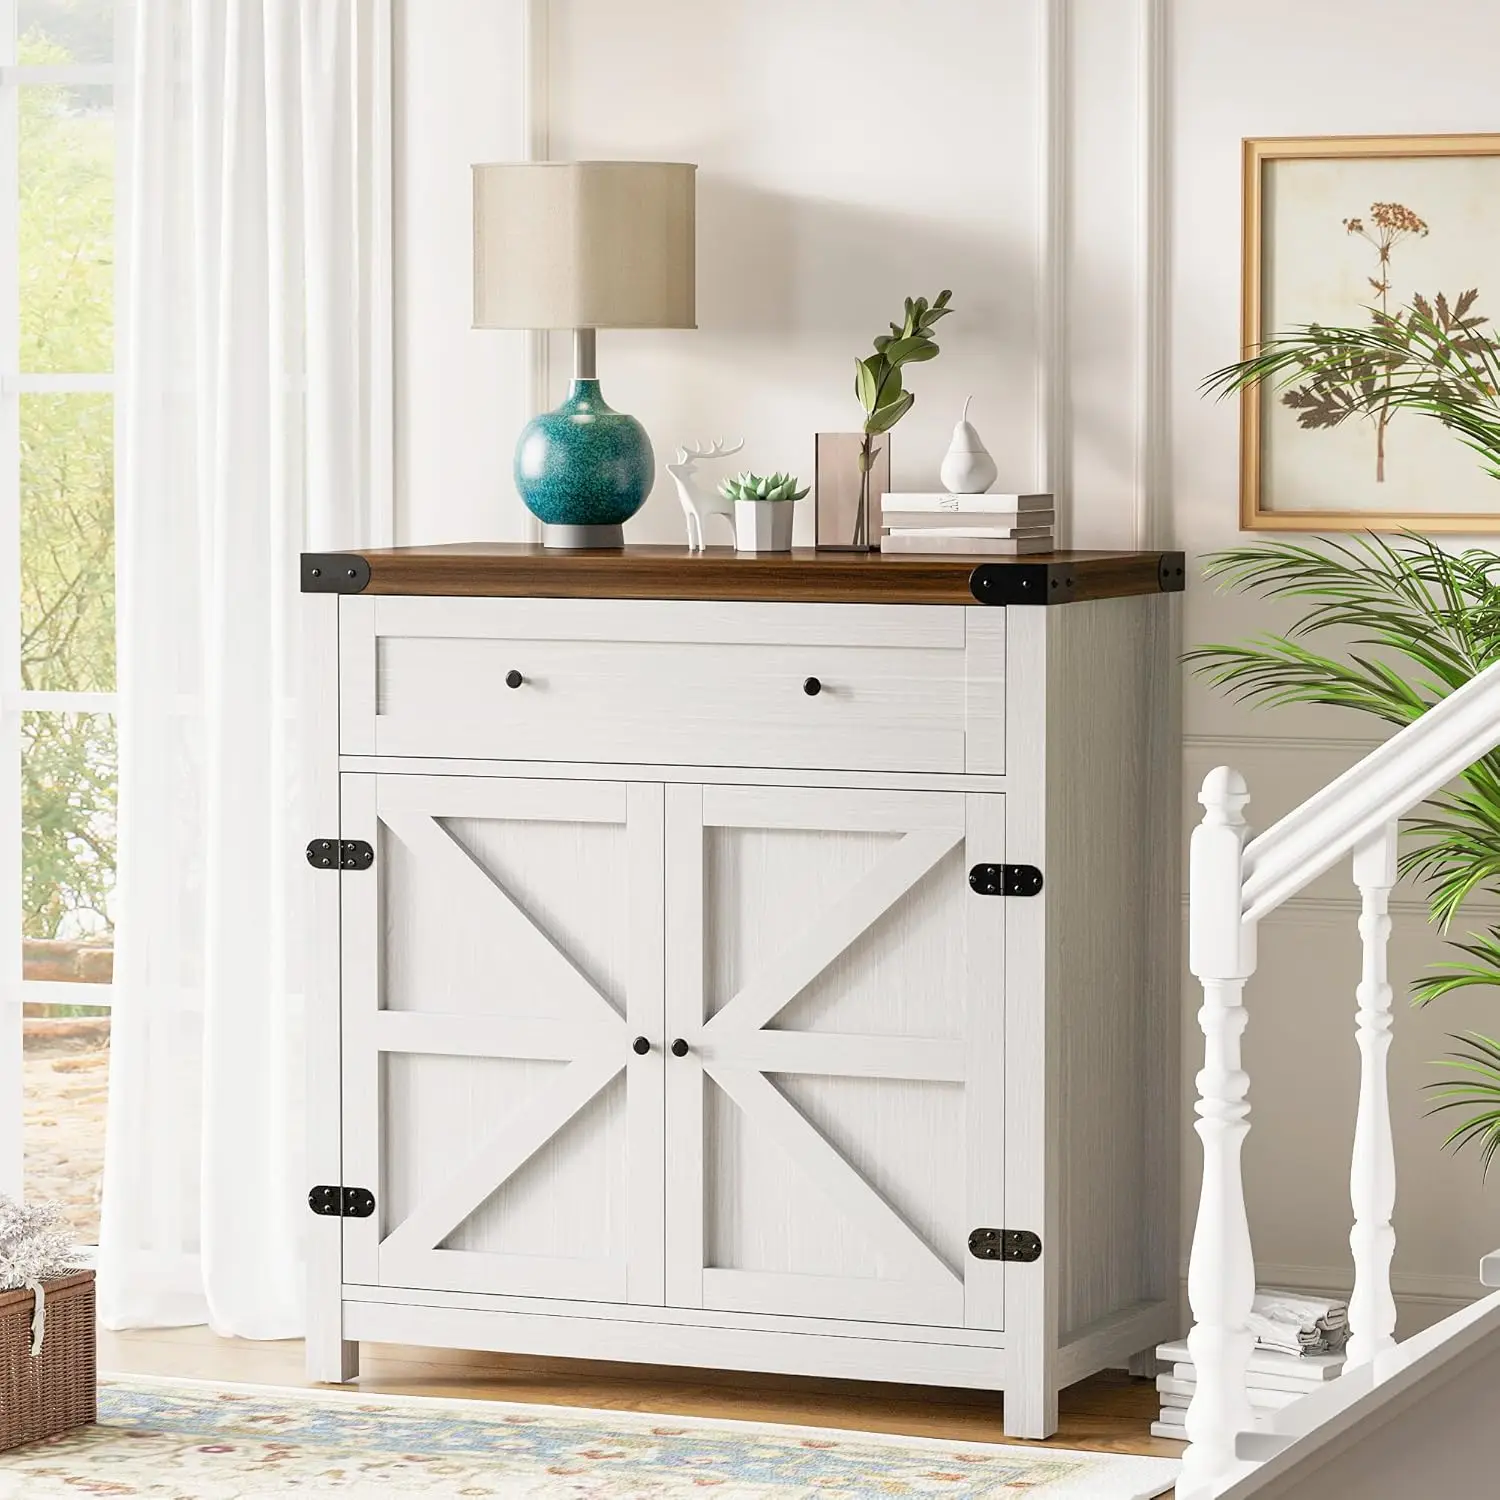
[[334, 573], [342, 1203], [1023, 583], [1005, 1244], [340, 854], [1005, 880], [1056, 582]]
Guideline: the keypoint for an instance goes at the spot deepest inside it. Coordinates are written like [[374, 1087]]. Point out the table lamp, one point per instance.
[[584, 245]]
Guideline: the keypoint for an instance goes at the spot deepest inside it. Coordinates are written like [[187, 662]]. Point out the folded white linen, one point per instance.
[[1299, 1323]]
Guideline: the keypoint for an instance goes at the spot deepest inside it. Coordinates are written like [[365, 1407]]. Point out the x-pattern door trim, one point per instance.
[[587, 1036], [517, 1138], [829, 932], [768, 1109], [735, 1050], [423, 834]]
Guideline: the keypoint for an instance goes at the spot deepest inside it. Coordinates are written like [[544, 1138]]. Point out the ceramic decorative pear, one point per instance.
[[968, 468]]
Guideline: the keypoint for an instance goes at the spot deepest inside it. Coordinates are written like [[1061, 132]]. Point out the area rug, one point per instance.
[[182, 1440]]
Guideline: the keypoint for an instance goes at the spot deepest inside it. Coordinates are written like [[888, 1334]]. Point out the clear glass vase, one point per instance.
[[849, 490]]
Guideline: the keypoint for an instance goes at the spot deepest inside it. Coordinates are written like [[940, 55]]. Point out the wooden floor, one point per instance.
[[1110, 1411]]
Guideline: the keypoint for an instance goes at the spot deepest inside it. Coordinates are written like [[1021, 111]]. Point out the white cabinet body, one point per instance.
[[673, 1020]]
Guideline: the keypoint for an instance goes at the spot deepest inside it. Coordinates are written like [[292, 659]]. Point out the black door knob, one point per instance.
[[513, 678], [812, 687], [640, 1046], [679, 1048]]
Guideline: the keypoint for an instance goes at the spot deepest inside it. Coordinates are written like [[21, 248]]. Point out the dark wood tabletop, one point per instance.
[[521, 570]]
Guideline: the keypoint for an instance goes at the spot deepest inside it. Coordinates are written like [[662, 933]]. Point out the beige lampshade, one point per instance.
[[584, 244]]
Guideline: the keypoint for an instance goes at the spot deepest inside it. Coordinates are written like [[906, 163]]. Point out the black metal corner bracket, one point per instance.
[[1171, 572], [1022, 583], [1005, 1244], [340, 854], [334, 573], [342, 1202], [1005, 880]]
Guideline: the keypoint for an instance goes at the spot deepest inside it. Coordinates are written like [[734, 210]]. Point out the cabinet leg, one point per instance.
[[1143, 1365], [332, 1361], [1030, 1412]]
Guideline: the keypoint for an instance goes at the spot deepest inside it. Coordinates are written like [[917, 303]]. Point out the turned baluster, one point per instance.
[[1221, 1271], [1372, 1172]]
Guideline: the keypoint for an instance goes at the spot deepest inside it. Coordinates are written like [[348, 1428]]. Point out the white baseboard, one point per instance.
[[1421, 1299]]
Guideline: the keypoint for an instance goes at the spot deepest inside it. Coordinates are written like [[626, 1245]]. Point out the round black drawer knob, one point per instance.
[[640, 1046], [812, 687], [513, 678], [679, 1048]]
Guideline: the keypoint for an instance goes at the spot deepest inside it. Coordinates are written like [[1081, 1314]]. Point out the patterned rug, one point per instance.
[[181, 1440]]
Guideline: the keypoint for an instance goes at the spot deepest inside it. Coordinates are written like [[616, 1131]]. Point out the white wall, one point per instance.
[[1071, 169], [459, 99]]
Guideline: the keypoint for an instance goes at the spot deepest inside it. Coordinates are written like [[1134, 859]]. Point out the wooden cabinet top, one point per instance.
[[518, 570]]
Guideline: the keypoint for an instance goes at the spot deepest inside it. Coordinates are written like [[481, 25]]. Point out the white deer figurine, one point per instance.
[[696, 505]]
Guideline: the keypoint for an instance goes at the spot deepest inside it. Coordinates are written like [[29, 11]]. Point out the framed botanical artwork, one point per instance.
[[1339, 231]]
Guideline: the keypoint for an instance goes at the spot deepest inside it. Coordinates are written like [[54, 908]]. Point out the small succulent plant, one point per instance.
[[757, 487]]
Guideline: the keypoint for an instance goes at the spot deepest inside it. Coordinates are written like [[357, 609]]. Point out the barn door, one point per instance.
[[834, 1117], [501, 955]]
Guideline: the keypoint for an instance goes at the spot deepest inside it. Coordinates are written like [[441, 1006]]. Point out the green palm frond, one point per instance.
[[1430, 358], [1457, 855], [1476, 1089], [1412, 624], [1387, 628], [1483, 972]]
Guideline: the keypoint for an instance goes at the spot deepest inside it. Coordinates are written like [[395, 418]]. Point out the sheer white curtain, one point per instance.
[[255, 422]]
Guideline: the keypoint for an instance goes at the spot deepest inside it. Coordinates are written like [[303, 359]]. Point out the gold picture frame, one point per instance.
[[1263, 160]]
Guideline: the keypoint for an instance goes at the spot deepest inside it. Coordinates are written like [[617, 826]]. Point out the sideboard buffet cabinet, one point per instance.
[[763, 963]]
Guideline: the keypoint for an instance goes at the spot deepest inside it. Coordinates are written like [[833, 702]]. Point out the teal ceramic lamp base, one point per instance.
[[584, 469], [582, 538]]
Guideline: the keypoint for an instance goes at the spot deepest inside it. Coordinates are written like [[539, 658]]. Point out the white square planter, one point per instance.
[[763, 525]]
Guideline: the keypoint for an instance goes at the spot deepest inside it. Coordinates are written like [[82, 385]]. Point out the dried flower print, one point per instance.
[[1340, 389]]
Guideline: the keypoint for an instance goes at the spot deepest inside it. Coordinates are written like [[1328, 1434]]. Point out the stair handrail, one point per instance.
[[1416, 762], [1235, 881]]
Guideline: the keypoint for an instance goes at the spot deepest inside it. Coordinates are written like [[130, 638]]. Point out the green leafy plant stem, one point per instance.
[[878, 383]]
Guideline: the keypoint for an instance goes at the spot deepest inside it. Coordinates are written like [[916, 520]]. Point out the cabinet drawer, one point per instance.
[[846, 687]]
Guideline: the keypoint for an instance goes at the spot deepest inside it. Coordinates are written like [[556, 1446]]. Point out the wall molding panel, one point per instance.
[[536, 130], [1113, 136], [1154, 526], [1292, 743], [1053, 260], [1341, 911]]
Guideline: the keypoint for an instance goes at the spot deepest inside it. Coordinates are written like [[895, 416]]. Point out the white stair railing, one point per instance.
[[1233, 885], [1372, 1169]]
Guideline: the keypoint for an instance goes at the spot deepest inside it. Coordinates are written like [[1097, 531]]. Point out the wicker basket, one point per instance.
[[57, 1390]]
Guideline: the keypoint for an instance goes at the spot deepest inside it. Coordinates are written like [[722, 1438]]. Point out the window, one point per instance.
[[57, 620]]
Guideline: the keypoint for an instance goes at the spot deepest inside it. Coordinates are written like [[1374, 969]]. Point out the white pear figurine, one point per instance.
[[968, 468]]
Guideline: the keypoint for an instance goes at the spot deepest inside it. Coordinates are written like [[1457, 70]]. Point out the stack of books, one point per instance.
[[1275, 1380], [1005, 524]]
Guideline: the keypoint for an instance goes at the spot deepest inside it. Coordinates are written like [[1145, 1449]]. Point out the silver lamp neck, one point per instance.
[[585, 354]]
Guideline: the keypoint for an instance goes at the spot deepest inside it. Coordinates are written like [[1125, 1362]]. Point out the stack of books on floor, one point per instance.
[[1299, 1344], [993, 524]]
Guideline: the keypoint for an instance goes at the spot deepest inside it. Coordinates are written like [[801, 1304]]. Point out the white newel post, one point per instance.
[[1372, 1172], [1221, 1272]]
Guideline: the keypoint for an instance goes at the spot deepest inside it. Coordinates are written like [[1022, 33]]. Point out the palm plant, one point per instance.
[[1390, 627]]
